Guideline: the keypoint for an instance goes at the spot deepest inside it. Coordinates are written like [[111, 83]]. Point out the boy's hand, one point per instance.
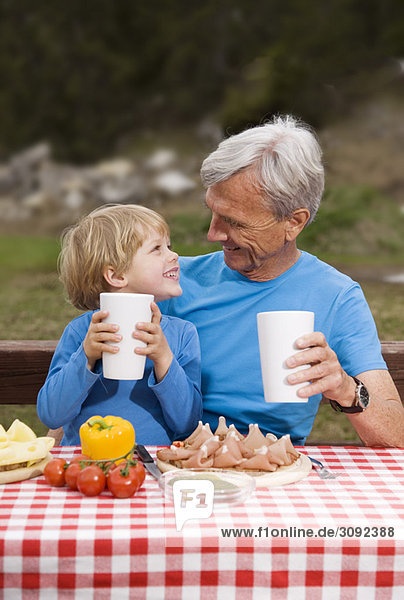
[[98, 333], [157, 348]]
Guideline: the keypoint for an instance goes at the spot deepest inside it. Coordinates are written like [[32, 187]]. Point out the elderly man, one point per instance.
[[264, 186]]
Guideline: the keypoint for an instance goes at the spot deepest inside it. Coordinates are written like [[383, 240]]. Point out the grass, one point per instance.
[[34, 307], [359, 222], [386, 301], [330, 425], [22, 254], [27, 414]]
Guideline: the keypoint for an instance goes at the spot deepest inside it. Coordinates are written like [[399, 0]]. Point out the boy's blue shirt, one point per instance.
[[160, 412]]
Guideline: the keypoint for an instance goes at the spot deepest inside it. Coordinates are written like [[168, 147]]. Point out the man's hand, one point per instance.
[[157, 348], [98, 333], [325, 373], [382, 423]]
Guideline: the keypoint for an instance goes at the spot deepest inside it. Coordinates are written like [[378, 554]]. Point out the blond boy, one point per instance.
[[122, 248]]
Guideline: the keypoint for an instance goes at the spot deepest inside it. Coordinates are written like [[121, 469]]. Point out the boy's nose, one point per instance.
[[172, 255]]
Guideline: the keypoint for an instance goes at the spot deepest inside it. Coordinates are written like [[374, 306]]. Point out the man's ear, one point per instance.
[[114, 279], [296, 223]]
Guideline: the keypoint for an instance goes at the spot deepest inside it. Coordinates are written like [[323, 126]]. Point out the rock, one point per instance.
[[25, 165], [52, 177], [36, 202], [12, 211], [161, 160], [172, 183], [395, 278], [128, 190], [7, 179], [119, 168], [74, 194], [31, 157], [38, 190]]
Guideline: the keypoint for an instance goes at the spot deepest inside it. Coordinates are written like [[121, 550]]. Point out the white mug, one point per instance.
[[277, 334], [125, 310]]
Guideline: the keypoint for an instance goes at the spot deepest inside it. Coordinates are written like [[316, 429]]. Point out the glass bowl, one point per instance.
[[230, 487]]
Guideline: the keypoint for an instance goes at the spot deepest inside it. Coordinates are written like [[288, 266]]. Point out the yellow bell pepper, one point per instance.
[[104, 438]]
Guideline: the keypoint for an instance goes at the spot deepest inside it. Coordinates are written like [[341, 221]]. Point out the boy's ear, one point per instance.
[[114, 279]]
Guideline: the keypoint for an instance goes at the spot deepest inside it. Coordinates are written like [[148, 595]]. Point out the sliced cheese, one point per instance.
[[3, 437], [19, 444], [21, 452], [19, 432]]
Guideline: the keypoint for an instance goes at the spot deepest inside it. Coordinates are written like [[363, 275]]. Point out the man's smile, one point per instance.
[[230, 248]]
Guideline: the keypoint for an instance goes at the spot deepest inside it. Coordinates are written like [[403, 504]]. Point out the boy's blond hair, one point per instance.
[[108, 237]]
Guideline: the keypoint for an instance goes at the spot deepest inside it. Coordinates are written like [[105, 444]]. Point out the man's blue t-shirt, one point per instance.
[[223, 304]]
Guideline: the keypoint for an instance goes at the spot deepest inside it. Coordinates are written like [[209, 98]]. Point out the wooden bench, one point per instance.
[[24, 365]]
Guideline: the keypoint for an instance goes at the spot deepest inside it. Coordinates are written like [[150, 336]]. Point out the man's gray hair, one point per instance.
[[283, 160]]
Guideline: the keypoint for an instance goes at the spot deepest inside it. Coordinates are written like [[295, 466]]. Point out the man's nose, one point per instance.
[[216, 231]]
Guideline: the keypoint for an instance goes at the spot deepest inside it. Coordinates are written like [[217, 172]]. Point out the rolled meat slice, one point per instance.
[[197, 461], [255, 439]]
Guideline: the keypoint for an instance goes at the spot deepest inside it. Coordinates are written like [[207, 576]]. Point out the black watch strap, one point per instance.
[[345, 409]]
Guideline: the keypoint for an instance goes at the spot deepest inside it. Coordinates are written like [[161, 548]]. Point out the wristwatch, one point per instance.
[[360, 403]]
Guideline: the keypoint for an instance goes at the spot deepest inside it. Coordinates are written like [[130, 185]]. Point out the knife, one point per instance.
[[147, 461]]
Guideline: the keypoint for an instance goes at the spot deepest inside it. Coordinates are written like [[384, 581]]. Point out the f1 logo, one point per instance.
[[193, 499]]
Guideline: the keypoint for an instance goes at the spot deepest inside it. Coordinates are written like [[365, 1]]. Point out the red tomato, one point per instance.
[[111, 468], [91, 480], [124, 486], [140, 472], [71, 475], [54, 472], [78, 457]]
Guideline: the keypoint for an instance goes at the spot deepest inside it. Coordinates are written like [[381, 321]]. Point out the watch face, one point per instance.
[[361, 400], [362, 395]]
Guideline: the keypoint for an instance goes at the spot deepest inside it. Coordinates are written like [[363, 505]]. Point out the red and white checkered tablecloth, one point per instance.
[[56, 543]]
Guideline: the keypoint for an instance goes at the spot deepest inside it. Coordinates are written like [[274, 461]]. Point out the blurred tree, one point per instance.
[[323, 59], [83, 74]]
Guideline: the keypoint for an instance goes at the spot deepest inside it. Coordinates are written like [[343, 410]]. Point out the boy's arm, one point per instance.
[[179, 393], [157, 348], [68, 382]]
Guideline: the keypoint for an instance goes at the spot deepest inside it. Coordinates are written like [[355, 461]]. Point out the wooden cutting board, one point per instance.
[[26, 472], [266, 479]]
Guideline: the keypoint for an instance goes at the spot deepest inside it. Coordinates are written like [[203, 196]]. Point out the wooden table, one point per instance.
[[56, 543]]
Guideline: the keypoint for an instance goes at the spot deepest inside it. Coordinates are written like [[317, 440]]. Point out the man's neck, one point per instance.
[[276, 264]]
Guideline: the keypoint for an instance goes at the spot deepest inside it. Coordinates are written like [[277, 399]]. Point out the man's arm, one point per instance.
[[382, 423]]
